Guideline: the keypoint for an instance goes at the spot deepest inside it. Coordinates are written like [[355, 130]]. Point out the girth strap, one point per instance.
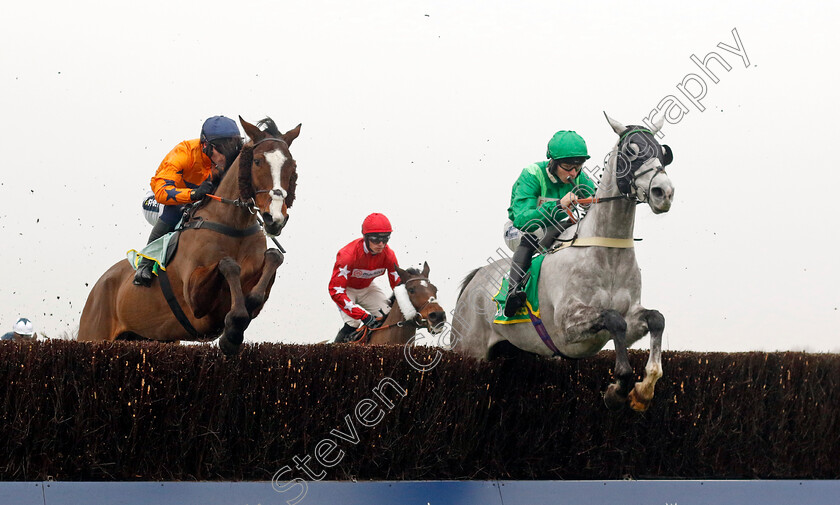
[[543, 333], [613, 243], [166, 288], [199, 223]]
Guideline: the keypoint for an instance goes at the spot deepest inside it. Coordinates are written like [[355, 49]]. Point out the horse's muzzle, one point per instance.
[[435, 320], [272, 226]]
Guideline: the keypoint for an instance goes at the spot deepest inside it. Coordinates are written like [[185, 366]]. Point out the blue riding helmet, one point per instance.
[[219, 127]]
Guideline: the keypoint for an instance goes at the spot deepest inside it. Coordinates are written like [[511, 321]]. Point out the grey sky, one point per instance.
[[427, 112]]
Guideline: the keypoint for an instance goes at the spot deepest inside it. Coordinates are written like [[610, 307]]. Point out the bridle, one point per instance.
[[633, 194], [660, 169], [249, 204], [282, 193], [417, 319]]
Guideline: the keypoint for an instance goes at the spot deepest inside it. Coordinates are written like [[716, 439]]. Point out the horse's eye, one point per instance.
[[411, 291], [257, 162]]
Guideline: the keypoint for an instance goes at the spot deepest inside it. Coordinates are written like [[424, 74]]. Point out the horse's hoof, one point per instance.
[[612, 399], [227, 347], [637, 400]]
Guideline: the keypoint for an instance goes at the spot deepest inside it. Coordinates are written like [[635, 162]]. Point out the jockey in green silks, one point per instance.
[[537, 202]]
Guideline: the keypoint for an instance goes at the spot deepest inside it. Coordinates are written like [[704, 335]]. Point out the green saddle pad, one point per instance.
[[532, 300]]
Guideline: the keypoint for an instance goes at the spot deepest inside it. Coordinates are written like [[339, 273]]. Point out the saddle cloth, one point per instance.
[[161, 251], [532, 300]]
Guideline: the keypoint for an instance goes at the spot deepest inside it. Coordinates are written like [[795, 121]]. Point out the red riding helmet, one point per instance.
[[376, 223]]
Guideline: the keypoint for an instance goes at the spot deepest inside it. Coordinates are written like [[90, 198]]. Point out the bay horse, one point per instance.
[[223, 272], [589, 292], [414, 306]]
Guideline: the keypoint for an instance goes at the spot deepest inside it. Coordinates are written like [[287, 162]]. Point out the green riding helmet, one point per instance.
[[567, 144]]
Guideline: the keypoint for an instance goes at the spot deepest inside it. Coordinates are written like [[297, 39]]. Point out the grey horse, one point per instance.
[[590, 286]]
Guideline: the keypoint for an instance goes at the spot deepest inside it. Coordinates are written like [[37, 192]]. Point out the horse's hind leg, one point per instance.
[[642, 393], [256, 298], [237, 319]]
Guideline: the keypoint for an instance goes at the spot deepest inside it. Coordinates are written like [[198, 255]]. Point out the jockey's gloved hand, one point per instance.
[[200, 192], [568, 200], [368, 320]]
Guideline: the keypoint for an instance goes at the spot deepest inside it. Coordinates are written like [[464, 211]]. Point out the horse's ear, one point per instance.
[[292, 134], [617, 127], [251, 131], [403, 274], [657, 125], [425, 269], [667, 155]]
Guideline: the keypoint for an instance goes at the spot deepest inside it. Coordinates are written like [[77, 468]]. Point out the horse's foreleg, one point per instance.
[[616, 394], [642, 393], [256, 298], [237, 318]]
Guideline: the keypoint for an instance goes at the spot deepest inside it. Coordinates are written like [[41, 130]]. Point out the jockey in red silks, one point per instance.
[[356, 265]]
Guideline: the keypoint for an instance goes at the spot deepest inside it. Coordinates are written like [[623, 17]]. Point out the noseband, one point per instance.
[[417, 318], [646, 194]]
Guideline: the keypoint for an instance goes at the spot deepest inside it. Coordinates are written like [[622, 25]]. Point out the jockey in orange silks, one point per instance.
[[185, 176]]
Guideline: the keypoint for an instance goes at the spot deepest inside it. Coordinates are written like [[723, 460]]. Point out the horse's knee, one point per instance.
[[229, 267], [274, 257], [611, 321], [655, 321]]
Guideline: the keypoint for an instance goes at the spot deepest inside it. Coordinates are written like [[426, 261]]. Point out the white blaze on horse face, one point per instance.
[[275, 160]]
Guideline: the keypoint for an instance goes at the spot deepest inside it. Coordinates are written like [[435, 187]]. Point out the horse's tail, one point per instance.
[[466, 281]]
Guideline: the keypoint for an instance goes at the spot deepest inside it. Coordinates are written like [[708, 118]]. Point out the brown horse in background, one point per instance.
[[420, 305], [222, 273]]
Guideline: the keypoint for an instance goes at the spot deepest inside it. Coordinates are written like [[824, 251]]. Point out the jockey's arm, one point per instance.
[[170, 181], [524, 210], [338, 288]]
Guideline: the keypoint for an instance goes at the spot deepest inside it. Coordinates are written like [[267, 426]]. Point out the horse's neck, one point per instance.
[[613, 219], [395, 315], [397, 334], [226, 213]]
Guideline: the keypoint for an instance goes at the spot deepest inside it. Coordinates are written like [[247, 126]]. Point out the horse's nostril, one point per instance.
[[437, 317], [657, 192]]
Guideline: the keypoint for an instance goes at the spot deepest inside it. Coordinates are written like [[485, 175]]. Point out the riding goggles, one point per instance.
[[571, 167], [379, 238]]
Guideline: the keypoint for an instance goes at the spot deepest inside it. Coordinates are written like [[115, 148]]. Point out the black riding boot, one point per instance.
[[143, 275], [518, 269], [344, 333]]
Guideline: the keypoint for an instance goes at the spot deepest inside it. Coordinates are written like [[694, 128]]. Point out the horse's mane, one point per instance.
[[246, 160], [268, 125], [466, 281]]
